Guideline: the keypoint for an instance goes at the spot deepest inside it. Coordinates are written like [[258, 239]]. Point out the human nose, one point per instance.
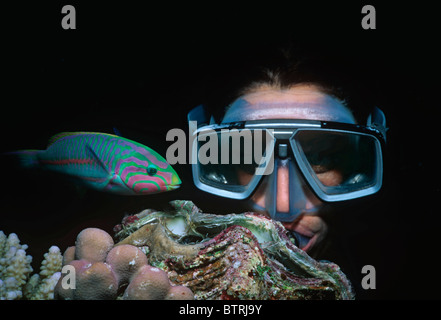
[[292, 196], [282, 197]]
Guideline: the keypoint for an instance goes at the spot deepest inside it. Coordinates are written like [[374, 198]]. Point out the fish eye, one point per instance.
[[152, 170]]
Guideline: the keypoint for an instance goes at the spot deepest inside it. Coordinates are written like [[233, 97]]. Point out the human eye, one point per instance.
[[330, 177]]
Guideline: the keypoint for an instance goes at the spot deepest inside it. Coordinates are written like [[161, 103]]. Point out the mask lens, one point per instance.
[[233, 160], [337, 162]]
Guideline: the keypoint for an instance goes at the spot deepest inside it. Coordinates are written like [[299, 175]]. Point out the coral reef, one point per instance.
[[15, 270], [178, 254], [104, 271]]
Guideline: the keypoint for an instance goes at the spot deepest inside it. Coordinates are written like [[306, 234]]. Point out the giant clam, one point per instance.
[[233, 256]]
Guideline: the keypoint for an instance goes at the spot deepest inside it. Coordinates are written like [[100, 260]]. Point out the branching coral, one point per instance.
[[41, 286], [15, 266], [15, 270]]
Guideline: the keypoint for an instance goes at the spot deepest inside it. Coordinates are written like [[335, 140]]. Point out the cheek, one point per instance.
[[330, 178], [244, 178]]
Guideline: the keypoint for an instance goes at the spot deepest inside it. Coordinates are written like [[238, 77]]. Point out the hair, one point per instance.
[[284, 67]]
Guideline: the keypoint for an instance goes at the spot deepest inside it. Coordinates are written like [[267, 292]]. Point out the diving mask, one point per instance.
[[336, 161]]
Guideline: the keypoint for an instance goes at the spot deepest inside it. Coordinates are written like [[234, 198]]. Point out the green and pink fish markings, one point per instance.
[[105, 162]]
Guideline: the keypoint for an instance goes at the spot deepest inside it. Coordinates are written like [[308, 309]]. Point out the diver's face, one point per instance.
[[299, 102]]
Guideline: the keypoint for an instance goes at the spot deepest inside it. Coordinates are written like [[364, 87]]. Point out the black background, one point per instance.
[[141, 69]]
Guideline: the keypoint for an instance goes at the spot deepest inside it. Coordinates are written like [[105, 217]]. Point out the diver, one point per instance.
[[321, 154]]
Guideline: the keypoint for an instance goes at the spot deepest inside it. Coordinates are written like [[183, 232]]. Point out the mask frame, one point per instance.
[[283, 132]]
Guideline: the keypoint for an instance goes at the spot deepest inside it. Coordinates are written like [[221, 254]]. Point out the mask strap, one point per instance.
[[198, 114], [377, 120]]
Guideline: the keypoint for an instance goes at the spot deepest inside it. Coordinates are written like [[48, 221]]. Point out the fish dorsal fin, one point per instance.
[[61, 135], [117, 132]]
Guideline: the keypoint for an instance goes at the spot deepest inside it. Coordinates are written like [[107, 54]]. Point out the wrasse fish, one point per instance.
[[104, 162]]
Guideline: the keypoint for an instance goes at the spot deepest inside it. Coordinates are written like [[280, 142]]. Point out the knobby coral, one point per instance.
[[104, 271], [16, 281]]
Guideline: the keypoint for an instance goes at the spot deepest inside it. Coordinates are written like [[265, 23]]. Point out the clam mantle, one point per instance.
[[233, 256]]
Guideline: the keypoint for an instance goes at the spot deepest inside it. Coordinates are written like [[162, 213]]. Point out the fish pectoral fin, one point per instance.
[[117, 181], [104, 171], [118, 186]]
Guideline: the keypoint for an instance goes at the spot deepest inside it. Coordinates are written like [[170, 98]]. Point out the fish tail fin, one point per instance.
[[26, 158]]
